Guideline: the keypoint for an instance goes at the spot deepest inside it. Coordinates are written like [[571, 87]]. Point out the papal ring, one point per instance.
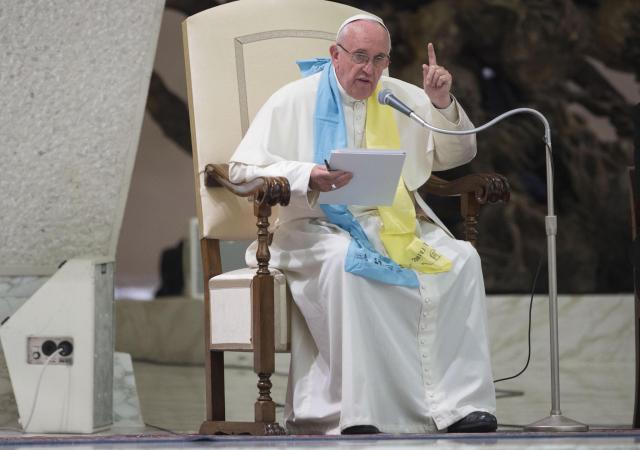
[[333, 187]]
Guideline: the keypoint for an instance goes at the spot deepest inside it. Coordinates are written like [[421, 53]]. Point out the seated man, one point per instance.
[[394, 336]]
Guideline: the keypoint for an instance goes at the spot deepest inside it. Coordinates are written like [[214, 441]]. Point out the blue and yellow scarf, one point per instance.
[[398, 235]]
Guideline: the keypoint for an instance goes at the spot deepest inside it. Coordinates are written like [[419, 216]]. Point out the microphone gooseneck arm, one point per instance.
[[386, 97], [555, 421]]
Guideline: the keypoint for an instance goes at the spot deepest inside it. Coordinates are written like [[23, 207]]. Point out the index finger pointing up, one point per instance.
[[432, 55]]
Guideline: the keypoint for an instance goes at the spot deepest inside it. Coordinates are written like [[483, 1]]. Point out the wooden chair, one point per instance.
[[236, 55]]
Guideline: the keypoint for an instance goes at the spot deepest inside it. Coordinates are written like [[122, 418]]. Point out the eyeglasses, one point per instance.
[[361, 58]]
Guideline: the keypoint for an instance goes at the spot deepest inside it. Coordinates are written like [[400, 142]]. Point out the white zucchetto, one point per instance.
[[370, 17]]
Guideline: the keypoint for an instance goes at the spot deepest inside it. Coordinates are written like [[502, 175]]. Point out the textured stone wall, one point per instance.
[[73, 83], [74, 76]]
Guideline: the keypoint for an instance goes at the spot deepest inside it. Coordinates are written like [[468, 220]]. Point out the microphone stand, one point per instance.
[[555, 421]]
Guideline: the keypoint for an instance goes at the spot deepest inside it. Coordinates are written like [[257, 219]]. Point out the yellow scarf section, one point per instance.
[[398, 232]]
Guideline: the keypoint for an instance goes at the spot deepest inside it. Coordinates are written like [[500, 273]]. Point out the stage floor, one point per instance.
[[596, 439], [597, 388]]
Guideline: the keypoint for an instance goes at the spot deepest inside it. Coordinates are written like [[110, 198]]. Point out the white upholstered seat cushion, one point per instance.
[[230, 310]]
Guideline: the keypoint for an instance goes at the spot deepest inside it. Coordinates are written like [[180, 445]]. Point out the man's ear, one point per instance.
[[333, 51]]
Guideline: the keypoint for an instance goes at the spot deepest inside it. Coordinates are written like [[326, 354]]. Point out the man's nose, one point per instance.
[[368, 67]]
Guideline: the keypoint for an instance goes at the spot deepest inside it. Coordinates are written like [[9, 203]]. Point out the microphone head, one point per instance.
[[383, 96], [386, 97]]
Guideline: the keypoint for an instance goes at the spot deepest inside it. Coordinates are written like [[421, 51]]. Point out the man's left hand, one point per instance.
[[436, 80]]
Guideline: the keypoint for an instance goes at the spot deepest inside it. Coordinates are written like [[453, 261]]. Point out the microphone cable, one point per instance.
[[26, 423], [533, 290]]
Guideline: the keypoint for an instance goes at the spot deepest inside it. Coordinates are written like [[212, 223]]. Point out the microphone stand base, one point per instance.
[[556, 422]]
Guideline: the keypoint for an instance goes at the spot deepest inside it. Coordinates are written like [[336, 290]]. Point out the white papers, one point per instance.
[[375, 176]]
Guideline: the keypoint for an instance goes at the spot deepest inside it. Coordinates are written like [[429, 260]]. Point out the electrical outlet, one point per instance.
[[43, 348]]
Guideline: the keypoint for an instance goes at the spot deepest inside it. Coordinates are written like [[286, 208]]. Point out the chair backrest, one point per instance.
[[236, 56]]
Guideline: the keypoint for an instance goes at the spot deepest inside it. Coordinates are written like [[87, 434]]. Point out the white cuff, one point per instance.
[[450, 112]]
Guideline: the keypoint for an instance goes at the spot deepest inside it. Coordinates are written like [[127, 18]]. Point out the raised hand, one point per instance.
[[436, 80]]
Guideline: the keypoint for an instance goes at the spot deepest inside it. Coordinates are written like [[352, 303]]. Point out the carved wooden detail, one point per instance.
[[270, 191], [263, 212], [475, 190], [264, 386], [241, 428], [273, 429]]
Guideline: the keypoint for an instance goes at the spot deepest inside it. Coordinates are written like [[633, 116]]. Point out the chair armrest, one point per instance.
[[486, 187], [264, 190], [475, 190]]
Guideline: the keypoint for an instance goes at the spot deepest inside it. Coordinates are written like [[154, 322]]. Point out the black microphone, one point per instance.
[[386, 97]]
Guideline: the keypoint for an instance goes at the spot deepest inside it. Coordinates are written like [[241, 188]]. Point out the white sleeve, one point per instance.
[[450, 150], [450, 112]]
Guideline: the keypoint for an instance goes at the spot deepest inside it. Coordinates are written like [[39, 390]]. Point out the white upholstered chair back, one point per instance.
[[236, 56]]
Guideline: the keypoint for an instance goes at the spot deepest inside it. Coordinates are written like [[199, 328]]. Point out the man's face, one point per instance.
[[361, 37]]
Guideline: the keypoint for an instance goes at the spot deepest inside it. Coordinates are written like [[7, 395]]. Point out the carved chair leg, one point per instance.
[[263, 321], [263, 346]]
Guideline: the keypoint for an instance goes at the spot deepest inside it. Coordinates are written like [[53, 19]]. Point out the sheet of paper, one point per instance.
[[375, 176]]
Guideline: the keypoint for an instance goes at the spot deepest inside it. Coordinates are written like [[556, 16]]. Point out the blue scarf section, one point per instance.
[[329, 134]]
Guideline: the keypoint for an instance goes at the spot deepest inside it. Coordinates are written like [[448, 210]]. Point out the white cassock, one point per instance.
[[405, 360]]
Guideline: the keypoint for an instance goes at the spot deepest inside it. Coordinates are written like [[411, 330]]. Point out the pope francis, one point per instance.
[[390, 333]]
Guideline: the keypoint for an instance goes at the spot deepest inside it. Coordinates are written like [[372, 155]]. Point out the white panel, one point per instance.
[[230, 299], [231, 314], [64, 306], [282, 306]]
